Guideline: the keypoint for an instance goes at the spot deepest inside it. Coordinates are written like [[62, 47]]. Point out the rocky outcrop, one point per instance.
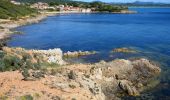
[[124, 50], [37, 56], [78, 53], [44, 56], [125, 76], [99, 81]]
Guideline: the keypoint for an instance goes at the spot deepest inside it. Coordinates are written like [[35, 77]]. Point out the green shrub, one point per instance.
[[72, 86], [25, 73], [26, 97], [3, 97], [11, 62]]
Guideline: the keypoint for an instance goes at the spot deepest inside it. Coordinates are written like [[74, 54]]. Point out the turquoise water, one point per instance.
[[147, 31]]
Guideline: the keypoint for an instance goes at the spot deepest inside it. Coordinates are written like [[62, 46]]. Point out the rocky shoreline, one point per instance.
[[7, 25], [98, 81], [64, 81]]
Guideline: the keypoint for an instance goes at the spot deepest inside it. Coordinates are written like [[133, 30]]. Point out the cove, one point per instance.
[[146, 31]]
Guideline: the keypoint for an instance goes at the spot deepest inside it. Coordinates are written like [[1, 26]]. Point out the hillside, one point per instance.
[[9, 10]]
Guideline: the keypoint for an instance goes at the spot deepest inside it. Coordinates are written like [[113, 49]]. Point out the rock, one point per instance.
[[145, 66], [124, 50], [97, 73], [127, 87], [72, 75], [100, 81], [119, 66], [78, 53], [139, 85], [61, 86], [37, 56], [94, 88], [38, 74]]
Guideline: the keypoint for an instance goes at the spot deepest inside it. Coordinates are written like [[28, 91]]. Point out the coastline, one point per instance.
[[97, 75], [125, 77], [7, 25]]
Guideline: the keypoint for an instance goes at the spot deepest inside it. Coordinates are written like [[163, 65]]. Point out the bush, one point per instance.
[[11, 63], [25, 73], [26, 97]]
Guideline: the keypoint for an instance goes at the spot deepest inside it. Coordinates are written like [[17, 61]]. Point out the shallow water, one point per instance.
[[147, 31]]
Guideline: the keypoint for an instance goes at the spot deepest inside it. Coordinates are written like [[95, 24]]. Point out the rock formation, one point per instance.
[[99, 81], [37, 56], [124, 50], [78, 53]]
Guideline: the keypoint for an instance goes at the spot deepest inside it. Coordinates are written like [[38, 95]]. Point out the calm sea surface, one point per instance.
[[147, 31]]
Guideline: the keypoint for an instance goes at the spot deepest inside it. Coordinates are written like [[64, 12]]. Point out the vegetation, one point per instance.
[[26, 97], [102, 7], [12, 63], [2, 43], [98, 6], [11, 11]]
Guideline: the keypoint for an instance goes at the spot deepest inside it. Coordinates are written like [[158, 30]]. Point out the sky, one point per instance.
[[164, 1]]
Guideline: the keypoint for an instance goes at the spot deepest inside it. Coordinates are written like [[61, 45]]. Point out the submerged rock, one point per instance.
[[124, 50]]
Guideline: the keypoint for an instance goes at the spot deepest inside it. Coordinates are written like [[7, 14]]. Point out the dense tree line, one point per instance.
[[100, 6]]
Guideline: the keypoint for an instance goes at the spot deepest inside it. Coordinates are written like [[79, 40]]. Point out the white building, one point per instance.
[[88, 10]]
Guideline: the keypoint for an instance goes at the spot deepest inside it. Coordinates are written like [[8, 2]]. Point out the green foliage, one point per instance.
[[26, 97], [36, 95], [102, 7], [12, 62], [99, 6], [3, 97], [72, 86], [2, 43], [25, 73], [9, 10]]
